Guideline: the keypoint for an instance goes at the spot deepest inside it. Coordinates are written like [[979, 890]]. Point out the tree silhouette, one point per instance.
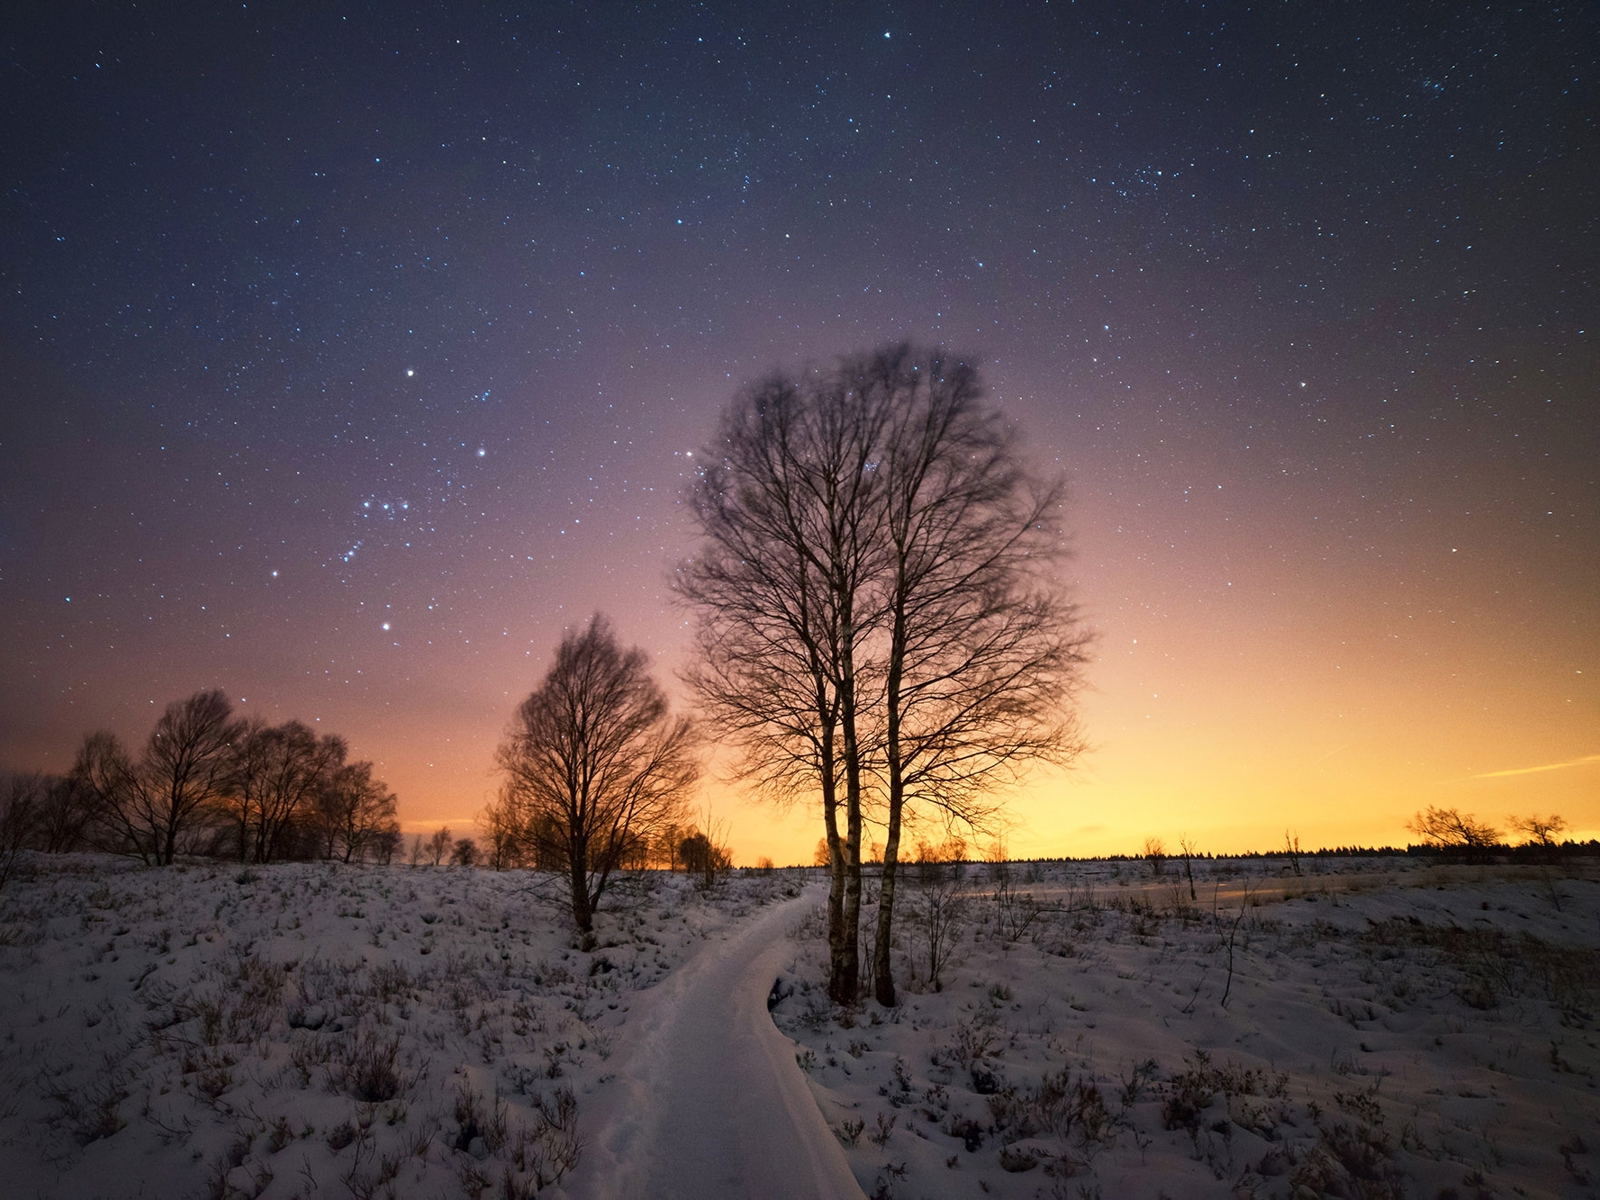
[[981, 652], [1540, 831], [876, 607], [280, 773], [788, 508], [23, 795], [1450, 829], [592, 762], [354, 815], [153, 805]]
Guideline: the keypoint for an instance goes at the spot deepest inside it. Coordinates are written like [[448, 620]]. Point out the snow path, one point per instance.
[[709, 1101]]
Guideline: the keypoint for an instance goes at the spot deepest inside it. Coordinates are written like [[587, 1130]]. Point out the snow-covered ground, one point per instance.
[[709, 1099], [1371, 1028], [317, 1030], [1375, 1027]]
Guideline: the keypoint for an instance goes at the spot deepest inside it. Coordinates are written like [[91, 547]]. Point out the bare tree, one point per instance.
[[1186, 851], [1539, 831], [354, 814], [704, 852], [981, 653], [186, 764], [504, 850], [1155, 853], [385, 843], [664, 846], [439, 845], [593, 760], [789, 511], [153, 805], [1291, 847], [47, 813], [238, 800], [877, 607], [937, 911], [703, 857], [22, 796], [1450, 829], [104, 773], [952, 849], [62, 816], [280, 774]]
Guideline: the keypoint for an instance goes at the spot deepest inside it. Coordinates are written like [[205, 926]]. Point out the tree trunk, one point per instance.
[[850, 982], [168, 846], [882, 968], [838, 970], [582, 913]]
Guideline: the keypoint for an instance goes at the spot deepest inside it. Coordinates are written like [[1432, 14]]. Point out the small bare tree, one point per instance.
[[22, 796], [1539, 831], [504, 850], [354, 815], [1186, 852], [151, 806], [703, 857], [439, 845], [279, 773], [1155, 853], [384, 843], [1291, 847], [936, 912], [1450, 829], [593, 761], [62, 817]]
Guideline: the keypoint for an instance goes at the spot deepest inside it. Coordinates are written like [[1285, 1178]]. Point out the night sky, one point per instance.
[[348, 356]]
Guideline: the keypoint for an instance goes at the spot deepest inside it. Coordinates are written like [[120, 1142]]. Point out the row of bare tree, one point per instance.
[[1450, 829], [538, 842], [206, 781]]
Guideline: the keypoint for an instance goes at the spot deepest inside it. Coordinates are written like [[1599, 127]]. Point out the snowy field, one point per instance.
[[316, 1030], [1374, 1027]]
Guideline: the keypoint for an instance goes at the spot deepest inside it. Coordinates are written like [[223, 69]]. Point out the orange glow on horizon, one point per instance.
[[1311, 694]]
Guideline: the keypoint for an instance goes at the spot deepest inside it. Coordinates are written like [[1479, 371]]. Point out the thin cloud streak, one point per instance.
[[1560, 766]]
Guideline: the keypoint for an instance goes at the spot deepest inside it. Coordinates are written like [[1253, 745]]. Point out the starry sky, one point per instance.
[[348, 355]]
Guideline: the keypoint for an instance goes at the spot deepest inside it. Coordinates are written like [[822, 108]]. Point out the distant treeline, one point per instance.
[[539, 845], [1528, 852], [1522, 853], [1286, 855], [205, 783]]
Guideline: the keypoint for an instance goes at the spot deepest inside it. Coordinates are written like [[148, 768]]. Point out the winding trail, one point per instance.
[[708, 1101]]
